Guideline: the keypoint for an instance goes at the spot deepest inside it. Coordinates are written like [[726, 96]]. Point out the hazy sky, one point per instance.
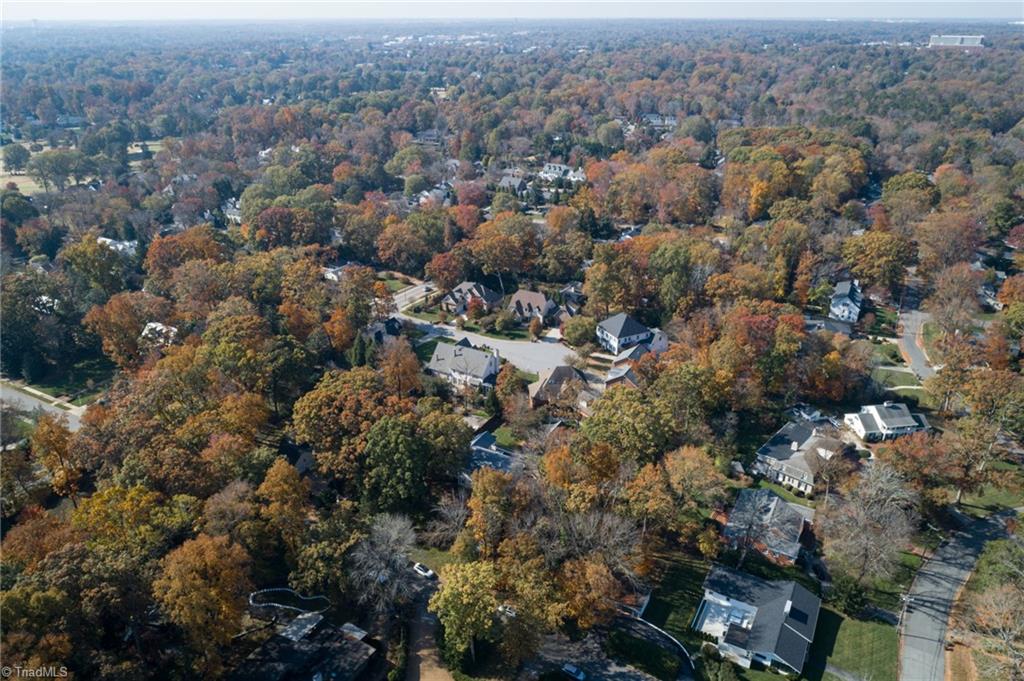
[[250, 10]]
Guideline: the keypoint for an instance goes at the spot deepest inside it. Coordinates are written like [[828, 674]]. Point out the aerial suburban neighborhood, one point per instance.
[[426, 348]]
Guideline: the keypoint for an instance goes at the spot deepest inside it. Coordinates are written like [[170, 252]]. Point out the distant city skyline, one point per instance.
[[406, 10]]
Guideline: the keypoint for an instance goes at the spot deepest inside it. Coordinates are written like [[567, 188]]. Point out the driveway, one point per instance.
[[532, 357], [24, 400], [911, 340], [922, 651], [424, 662]]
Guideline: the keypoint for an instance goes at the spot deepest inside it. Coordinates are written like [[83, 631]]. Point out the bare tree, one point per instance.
[[864, 533], [379, 565], [752, 519], [450, 515]]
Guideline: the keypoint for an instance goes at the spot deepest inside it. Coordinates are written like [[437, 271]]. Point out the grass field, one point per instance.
[[1009, 493], [866, 649], [435, 559], [505, 438], [674, 602], [81, 383], [782, 492], [424, 351], [885, 593], [644, 655], [894, 379], [26, 185]]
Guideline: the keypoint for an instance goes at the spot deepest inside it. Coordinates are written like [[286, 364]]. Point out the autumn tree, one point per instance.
[[121, 320], [285, 497], [202, 587], [400, 367], [51, 446], [466, 604], [878, 258]]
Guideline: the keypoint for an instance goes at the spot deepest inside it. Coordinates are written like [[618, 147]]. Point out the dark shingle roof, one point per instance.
[[787, 613], [622, 325], [781, 522]]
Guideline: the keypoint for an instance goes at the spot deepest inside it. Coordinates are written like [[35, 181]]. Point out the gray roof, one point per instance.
[[473, 289], [622, 325], [782, 524], [787, 634], [780, 445], [460, 358], [847, 289], [550, 382], [895, 415], [524, 302], [956, 40]]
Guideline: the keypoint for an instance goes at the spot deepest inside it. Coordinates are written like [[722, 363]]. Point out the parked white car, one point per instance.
[[423, 571]]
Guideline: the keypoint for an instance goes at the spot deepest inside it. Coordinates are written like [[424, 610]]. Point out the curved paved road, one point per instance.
[[23, 400], [922, 654]]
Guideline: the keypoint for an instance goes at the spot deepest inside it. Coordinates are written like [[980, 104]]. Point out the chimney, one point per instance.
[[789, 604], [795, 446]]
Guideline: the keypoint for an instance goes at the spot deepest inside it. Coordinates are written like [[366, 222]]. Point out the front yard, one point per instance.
[[869, 650]]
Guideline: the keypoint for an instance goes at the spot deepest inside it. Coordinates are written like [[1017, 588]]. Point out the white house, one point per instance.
[[621, 331], [885, 421], [846, 301], [128, 248]]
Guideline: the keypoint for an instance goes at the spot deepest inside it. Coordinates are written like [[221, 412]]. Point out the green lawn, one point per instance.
[[394, 284], [515, 333], [435, 559], [82, 382], [866, 649], [426, 350], [642, 654], [782, 492], [904, 393], [1009, 493], [885, 353], [894, 379], [506, 439], [885, 321], [885, 593], [426, 314], [930, 336], [674, 602]]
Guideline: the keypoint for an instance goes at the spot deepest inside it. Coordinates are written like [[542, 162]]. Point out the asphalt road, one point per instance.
[[22, 400], [911, 342], [922, 656]]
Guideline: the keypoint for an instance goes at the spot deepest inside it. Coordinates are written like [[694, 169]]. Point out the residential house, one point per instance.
[[769, 524], [658, 122], [333, 273], [622, 375], [554, 171], [126, 248], [815, 324], [457, 300], [308, 647], [756, 620], [656, 345], [156, 334], [846, 301], [988, 295], [621, 331], [558, 383], [485, 453], [232, 211], [463, 365], [526, 305], [965, 41], [793, 454], [885, 421], [512, 184], [383, 332]]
